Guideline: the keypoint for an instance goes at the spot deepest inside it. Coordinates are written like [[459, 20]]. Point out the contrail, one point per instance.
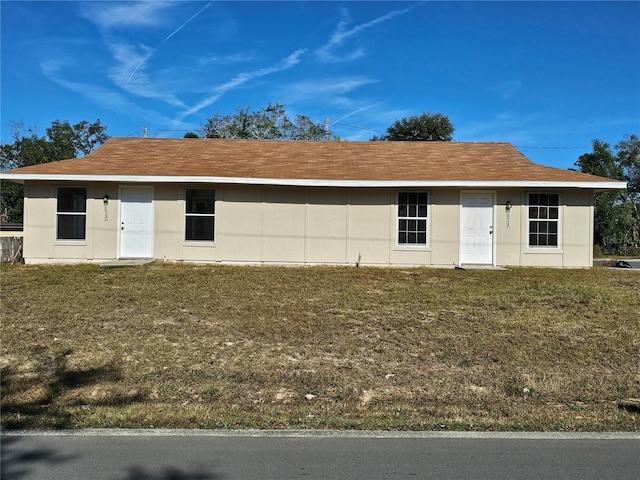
[[357, 111], [242, 78], [340, 35], [185, 23], [167, 38]]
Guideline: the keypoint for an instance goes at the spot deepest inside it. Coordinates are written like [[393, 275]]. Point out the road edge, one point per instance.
[[115, 432]]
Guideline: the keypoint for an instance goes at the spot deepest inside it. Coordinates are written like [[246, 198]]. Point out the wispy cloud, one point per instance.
[[341, 34], [128, 57], [325, 90], [507, 90], [504, 126], [243, 78], [129, 71], [105, 97], [109, 15], [184, 24], [225, 59], [134, 75]]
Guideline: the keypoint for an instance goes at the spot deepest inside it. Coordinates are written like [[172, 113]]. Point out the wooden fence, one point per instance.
[[11, 249]]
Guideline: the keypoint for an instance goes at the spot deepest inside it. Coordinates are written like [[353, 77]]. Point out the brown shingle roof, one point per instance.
[[308, 160]]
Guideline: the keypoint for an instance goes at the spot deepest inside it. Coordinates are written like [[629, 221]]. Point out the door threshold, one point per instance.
[[126, 262], [473, 266]]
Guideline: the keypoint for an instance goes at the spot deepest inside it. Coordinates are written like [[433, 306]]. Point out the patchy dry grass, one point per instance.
[[184, 346]]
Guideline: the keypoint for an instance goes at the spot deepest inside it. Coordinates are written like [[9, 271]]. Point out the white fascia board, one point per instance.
[[293, 182]]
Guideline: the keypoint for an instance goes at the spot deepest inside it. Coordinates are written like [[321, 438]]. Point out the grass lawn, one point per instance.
[[194, 346]]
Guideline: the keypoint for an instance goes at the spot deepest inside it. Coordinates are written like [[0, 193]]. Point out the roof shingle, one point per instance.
[[308, 160]]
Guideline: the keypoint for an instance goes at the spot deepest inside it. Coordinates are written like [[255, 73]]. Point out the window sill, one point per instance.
[[419, 248], [543, 250], [70, 242]]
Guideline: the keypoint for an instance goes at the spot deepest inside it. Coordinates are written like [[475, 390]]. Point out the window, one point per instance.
[[200, 214], [71, 213], [412, 218], [544, 209]]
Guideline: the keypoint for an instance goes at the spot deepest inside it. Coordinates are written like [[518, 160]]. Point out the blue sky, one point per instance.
[[548, 77]]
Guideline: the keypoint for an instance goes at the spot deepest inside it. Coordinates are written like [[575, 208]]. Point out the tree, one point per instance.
[[428, 127], [268, 123], [62, 141], [617, 213], [76, 140], [611, 219], [11, 202], [303, 128], [628, 155]]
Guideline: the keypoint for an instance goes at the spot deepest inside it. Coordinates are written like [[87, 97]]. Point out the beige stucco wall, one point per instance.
[[297, 225], [576, 232], [445, 226], [508, 226], [40, 242]]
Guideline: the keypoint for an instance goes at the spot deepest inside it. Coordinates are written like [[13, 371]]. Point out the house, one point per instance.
[[308, 202]]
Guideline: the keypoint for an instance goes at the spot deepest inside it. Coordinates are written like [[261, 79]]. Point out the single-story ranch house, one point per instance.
[[308, 202]]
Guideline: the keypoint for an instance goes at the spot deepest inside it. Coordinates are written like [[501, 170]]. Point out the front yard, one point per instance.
[[193, 346]]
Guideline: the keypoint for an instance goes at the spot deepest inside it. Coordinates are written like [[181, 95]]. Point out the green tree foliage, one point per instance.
[[11, 202], [617, 213], [428, 127], [61, 141], [612, 220], [268, 123], [628, 155], [71, 141]]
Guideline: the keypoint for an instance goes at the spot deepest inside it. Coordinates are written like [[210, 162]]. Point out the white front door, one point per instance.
[[476, 235], [136, 222]]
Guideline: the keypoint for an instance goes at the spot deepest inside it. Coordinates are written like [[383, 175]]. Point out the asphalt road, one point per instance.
[[323, 455]]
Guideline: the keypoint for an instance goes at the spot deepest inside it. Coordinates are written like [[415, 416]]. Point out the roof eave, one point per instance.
[[302, 182]]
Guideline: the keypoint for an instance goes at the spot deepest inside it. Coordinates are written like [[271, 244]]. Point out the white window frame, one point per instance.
[[188, 214], [416, 217], [71, 214], [557, 221]]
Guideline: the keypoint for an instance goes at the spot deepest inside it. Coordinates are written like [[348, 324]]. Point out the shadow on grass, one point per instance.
[[39, 399], [24, 409]]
